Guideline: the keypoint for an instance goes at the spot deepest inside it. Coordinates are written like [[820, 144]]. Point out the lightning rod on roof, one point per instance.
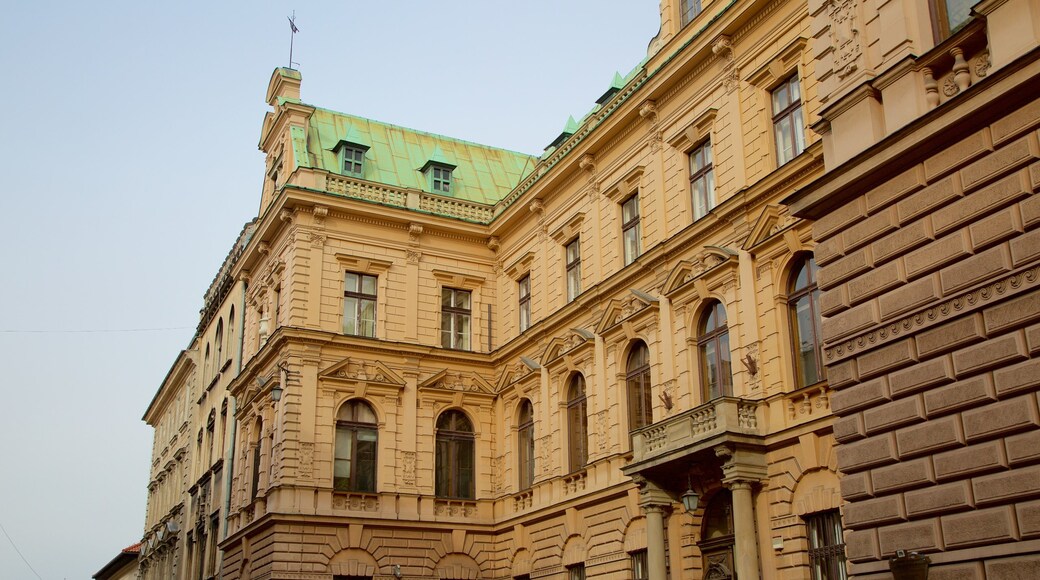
[[292, 37]]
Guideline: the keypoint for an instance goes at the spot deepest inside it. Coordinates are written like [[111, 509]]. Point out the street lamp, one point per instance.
[[690, 497]]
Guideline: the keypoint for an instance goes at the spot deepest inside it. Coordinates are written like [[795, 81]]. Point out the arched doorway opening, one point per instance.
[[716, 543]]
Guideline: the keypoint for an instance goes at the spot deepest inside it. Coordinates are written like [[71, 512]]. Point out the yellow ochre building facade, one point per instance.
[[608, 360]]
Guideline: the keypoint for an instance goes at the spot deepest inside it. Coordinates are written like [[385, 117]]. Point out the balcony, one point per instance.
[[723, 420]]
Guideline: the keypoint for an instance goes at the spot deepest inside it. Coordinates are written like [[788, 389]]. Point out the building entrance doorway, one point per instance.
[[716, 543]]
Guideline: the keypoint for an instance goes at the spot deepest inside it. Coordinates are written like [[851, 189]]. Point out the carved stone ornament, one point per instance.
[[318, 240], [320, 213], [414, 256], [844, 36], [723, 48], [493, 244], [414, 231]]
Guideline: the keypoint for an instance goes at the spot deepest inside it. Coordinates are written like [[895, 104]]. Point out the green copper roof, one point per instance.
[[396, 156]]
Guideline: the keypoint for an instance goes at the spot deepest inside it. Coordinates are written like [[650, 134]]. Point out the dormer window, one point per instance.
[[689, 9], [440, 179], [352, 159]]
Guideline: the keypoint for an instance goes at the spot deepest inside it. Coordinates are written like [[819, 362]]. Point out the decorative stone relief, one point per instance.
[[544, 443], [408, 468], [306, 460], [317, 239], [844, 36], [414, 256], [602, 428], [982, 64], [356, 502]]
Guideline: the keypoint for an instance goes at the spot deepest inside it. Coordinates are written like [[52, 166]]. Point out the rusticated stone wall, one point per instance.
[[931, 298]]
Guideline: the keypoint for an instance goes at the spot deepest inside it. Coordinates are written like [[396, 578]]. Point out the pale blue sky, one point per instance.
[[128, 150]]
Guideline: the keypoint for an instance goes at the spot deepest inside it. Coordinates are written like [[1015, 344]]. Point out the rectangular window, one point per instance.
[[359, 305], [573, 255], [353, 160], [690, 9], [639, 571], [788, 126], [702, 180], [826, 545], [456, 307], [576, 572], [630, 229], [441, 179], [523, 288]]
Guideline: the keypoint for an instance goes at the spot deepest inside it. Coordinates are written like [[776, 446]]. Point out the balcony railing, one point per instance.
[[700, 424], [411, 199]]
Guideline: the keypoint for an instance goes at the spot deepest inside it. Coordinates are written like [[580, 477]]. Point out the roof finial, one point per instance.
[[292, 37]]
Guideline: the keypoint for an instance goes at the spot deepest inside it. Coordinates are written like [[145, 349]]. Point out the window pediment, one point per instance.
[[774, 71], [695, 132], [520, 266], [577, 340], [447, 380], [625, 186], [638, 305], [363, 265], [356, 370], [458, 280], [522, 371], [705, 267], [570, 229]]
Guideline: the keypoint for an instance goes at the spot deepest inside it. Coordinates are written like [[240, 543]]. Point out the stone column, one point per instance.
[[655, 556], [745, 543], [655, 503]]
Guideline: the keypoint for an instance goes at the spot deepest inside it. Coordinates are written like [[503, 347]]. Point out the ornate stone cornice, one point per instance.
[[927, 317]]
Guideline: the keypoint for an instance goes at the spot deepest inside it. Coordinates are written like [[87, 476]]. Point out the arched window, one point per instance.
[[231, 333], [356, 438], [218, 340], [716, 543], [803, 302], [713, 342], [577, 424], [455, 456], [258, 431], [637, 377], [525, 443], [205, 367]]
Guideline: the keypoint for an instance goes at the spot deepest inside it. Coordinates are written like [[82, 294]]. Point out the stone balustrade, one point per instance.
[[701, 424]]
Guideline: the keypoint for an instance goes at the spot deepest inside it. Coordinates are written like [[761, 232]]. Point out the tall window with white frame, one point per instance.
[[788, 125], [359, 305], [573, 258], [689, 9], [826, 546], [630, 229], [456, 315], [713, 344], [803, 302], [525, 444], [353, 158], [523, 291], [702, 180], [577, 424], [357, 435]]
